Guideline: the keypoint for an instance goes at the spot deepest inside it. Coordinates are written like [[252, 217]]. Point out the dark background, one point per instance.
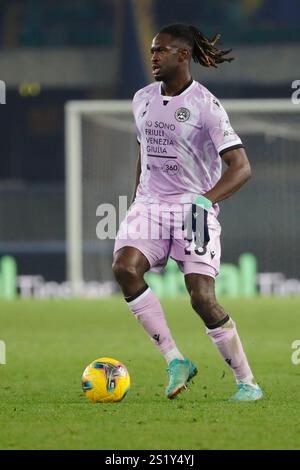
[[38, 43]]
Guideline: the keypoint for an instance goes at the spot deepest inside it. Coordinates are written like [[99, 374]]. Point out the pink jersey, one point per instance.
[[181, 140]]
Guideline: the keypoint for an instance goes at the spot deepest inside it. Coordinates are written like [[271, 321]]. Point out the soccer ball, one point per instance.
[[105, 380]]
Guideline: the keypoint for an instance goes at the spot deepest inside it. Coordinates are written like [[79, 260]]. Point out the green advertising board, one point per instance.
[[8, 278], [233, 281]]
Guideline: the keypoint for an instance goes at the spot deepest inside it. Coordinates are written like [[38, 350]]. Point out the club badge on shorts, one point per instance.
[[182, 114]]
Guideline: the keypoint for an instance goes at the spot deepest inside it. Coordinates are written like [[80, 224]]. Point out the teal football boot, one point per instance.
[[247, 392], [180, 372]]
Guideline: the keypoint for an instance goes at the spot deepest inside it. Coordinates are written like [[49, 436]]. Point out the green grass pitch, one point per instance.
[[49, 343]]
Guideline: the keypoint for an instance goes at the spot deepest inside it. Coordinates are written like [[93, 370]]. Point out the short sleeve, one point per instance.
[[138, 135], [219, 128], [135, 107]]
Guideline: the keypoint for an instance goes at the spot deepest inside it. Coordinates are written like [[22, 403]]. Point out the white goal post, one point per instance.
[[74, 110], [275, 118]]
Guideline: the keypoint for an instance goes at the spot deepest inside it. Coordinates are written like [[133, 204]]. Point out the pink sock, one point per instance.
[[229, 345], [148, 311]]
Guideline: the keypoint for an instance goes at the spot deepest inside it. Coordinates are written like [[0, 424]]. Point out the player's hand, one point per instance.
[[196, 222]]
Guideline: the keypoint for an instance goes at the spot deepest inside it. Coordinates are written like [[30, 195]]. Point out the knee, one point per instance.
[[203, 302], [124, 272]]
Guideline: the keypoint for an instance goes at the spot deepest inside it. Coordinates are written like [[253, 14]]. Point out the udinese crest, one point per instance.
[[182, 114]]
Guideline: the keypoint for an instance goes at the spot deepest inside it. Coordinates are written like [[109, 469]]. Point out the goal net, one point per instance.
[[263, 218]]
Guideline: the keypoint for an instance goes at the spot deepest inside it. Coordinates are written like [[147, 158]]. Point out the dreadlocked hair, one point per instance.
[[204, 50]]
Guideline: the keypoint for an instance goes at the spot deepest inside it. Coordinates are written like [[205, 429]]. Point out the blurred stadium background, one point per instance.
[[55, 52]]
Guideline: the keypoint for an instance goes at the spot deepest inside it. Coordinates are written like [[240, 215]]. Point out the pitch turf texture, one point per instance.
[[49, 343]]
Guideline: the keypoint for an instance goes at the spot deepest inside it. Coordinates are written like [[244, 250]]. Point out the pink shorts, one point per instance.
[[156, 231]]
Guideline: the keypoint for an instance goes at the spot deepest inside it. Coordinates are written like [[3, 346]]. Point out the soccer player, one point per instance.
[[184, 133]]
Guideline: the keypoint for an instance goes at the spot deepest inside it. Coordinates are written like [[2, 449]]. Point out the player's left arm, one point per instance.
[[234, 177]]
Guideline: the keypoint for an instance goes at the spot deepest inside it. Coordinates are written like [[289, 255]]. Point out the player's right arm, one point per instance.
[[137, 176], [136, 102]]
